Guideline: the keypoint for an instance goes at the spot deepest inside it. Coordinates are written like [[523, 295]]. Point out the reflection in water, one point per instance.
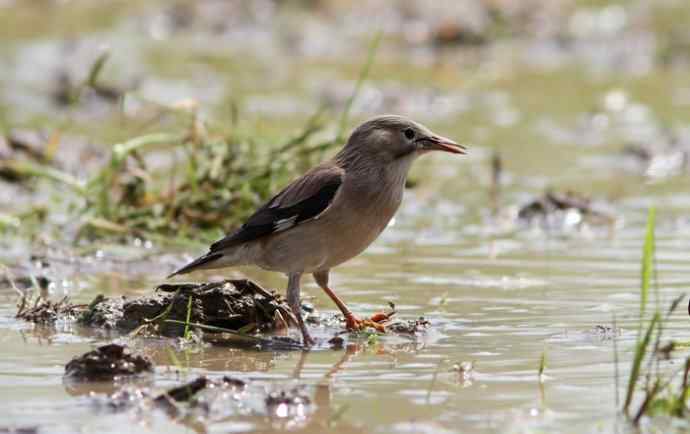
[[263, 406]]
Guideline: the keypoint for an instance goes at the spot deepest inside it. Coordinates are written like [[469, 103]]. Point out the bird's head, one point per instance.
[[391, 139]]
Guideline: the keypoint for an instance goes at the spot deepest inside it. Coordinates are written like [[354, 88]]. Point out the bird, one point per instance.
[[330, 214]]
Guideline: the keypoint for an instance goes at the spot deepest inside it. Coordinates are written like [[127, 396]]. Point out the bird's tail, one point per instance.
[[199, 263]]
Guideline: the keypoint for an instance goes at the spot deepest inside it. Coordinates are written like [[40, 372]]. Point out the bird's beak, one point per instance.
[[439, 143]]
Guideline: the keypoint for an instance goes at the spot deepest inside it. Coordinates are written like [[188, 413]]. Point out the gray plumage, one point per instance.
[[333, 212]]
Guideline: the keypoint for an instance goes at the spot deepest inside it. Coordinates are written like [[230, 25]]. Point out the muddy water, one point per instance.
[[497, 303], [498, 294]]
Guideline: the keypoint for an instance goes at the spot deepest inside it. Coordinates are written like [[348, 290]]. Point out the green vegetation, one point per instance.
[[214, 179], [659, 394], [212, 183]]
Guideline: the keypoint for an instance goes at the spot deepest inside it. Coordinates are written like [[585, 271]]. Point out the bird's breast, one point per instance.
[[357, 222]]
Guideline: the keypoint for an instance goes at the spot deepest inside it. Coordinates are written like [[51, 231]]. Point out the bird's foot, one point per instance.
[[376, 321]]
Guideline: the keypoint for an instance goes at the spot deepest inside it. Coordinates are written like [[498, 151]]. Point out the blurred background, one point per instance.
[[132, 133], [547, 85]]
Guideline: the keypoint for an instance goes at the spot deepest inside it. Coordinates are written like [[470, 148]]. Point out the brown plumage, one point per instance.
[[333, 212]]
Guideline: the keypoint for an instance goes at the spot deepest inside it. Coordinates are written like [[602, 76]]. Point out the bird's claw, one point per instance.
[[376, 321]]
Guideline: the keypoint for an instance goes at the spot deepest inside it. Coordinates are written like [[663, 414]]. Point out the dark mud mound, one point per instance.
[[236, 305], [107, 363], [229, 313]]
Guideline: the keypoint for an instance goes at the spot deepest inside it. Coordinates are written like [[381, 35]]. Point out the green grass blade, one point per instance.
[[27, 168], [647, 265], [96, 68], [122, 150], [640, 351], [189, 317], [215, 329]]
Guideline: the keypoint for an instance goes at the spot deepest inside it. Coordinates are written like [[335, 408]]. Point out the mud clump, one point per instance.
[[228, 312], [230, 305], [46, 312], [187, 391], [561, 209], [168, 401], [107, 363], [409, 327], [291, 403]]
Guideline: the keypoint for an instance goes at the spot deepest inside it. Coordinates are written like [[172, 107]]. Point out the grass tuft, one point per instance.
[[658, 396]]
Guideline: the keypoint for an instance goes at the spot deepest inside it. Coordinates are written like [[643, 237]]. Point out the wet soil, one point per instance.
[[231, 304], [107, 362]]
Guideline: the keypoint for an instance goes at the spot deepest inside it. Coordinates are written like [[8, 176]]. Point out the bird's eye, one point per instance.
[[409, 133]]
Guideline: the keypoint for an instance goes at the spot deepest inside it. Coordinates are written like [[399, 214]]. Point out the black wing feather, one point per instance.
[[267, 219]]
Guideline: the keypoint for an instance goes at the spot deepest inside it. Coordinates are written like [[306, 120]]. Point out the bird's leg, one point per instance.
[[293, 300], [351, 321]]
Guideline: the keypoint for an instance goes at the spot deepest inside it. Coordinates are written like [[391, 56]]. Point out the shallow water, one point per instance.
[[498, 294]]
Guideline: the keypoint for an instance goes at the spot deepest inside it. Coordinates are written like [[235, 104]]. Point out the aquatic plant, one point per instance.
[[660, 394]]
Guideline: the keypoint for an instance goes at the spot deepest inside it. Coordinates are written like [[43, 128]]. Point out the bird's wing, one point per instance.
[[304, 199]]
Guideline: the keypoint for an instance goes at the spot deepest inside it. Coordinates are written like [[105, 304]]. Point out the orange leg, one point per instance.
[[351, 321]]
